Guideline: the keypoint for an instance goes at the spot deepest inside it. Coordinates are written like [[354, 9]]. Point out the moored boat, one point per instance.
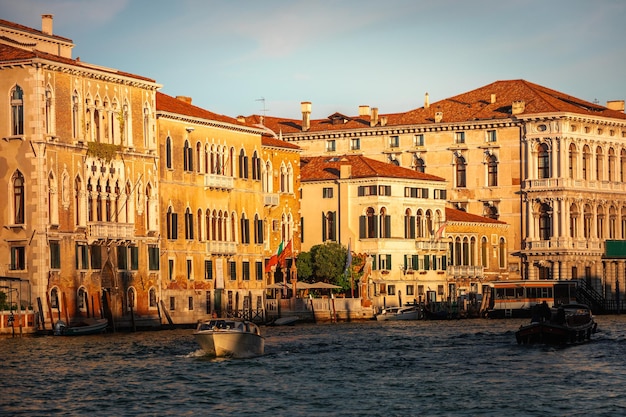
[[83, 327], [225, 337], [399, 313], [568, 324]]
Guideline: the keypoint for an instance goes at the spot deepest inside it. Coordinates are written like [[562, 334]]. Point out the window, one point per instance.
[[190, 303], [208, 269], [153, 258], [170, 269], [81, 299], [259, 270], [245, 229], [440, 194], [18, 198], [331, 145], [491, 136], [82, 256], [187, 157], [256, 166], [420, 165], [168, 153], [418, 140], [571, 160], [172, 303], [232, 269], [243, 164], [384, 262], [55, 255], [459, 137], [394, 141], [96, 256], [365, 190], [258, 229], [18, 258], [385, 223], [384, 190], [17, 111], [134, 257], [410, 290], [327, 192], [409, 225], [368, 224], [245, 271], [122, 258], [355, 144], [152, 298], [188, 224], [461, 181], [492, 171], [545, 220], [172, 224], [189, 264], [391, 290], [543, 161], [329, 221]]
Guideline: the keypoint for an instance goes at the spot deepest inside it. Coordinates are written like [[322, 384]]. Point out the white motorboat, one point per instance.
[[225, 337], [399, 313]]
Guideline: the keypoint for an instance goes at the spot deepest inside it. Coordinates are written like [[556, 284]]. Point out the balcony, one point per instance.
[[550, 184], [564, 244], [221, 248], [218, 181], [110, 231], [271, 199], [465, 271], [431, 245]]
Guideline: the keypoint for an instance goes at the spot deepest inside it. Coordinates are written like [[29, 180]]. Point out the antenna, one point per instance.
[[264, 110]]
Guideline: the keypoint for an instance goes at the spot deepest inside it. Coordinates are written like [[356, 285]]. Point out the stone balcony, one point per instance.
[[110, 231], [221, 248], [464, 271], [218, 181]]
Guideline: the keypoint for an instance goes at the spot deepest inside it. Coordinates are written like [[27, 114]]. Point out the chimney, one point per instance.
[[306, 115], [364, 110], [438, 116], [374, 119], [345, 171], [426, 101], [46, 24], [184, 99], [493, 98], [383, 120], [242, 119], [518, 107], [615, 105]]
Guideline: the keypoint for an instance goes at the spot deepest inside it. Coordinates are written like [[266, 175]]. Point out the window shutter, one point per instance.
[[362, 222], [387, 226], [323, 227]]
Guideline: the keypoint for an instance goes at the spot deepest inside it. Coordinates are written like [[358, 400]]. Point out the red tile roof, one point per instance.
[[173, 105], [277, 143], [465, 107], [454, 215], [11, 54], [321, 168], [23, 28]]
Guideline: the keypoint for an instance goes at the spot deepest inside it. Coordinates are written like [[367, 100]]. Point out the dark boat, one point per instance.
[[568, 324], [84, 327]]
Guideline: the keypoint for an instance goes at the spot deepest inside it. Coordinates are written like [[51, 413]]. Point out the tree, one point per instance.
[[304, 263]]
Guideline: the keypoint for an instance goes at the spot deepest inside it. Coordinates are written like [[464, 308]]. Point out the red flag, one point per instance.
[[273, 261]]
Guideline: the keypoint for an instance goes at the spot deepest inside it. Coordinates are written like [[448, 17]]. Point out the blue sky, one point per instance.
[[228, 54]]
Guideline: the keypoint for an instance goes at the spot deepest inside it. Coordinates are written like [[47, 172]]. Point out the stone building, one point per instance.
[[78, 160], [390, 215], [549, 164], [228, 198]]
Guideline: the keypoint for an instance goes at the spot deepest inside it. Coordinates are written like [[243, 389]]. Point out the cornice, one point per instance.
[[207, 122]]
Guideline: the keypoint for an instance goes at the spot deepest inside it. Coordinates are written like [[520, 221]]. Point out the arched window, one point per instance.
[[268, 184], [245, 229], [502, 253], [283, 178], [329, 226], [168, 153], [420, 223], [461, 166], [207, 158], [146, 126], [258, 229], [369, 224], [78, 190], [420, 165], [409, 225], [187, 157], [207, 225], [199, 157], [200, 228], [622, 165], [172, 224], [243, 164], [81, 299], [545, 222], [491, 211], [152, 298], [492, 171], [289, 179], [484, 251], [49, 111], [17, 111], [256, 166], [18, 198], [131, 299], [75, 114], [571, 161], [585, 162], [429, 223], [600, 223], [188, 224], [588, 215], [599, 164], [543, 161], [574, 215]]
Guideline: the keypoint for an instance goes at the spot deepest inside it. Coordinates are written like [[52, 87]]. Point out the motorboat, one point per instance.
[[84, 327], [230, 337], [411, 312], [568, 324]]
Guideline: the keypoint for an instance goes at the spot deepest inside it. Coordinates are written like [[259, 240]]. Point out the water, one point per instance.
[[426, 368]]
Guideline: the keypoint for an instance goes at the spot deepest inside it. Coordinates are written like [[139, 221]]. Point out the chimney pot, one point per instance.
[[364, 110], [438, 116], [493, 98], [46, 24], [615, 105], [426, 100], [518, 107]]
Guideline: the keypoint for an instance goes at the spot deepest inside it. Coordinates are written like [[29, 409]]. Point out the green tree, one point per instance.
[[329, 261], [3, 301], [304, 263]]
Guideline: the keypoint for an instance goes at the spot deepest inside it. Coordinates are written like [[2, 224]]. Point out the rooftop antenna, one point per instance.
[[264, 110]]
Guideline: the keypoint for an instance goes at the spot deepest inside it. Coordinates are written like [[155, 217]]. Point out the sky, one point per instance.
[[243, 57]]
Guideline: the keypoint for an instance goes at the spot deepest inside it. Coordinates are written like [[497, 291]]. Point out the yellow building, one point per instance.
[[234, 190], [78, 154]]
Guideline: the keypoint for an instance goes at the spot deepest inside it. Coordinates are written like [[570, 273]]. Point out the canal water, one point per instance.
[[420, 368]]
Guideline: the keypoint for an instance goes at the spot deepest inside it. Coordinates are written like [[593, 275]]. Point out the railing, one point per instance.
[[431, 245], [109, 230], [465, 270], [571, 183], [219, 181], [564, 244], [225, 248]]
